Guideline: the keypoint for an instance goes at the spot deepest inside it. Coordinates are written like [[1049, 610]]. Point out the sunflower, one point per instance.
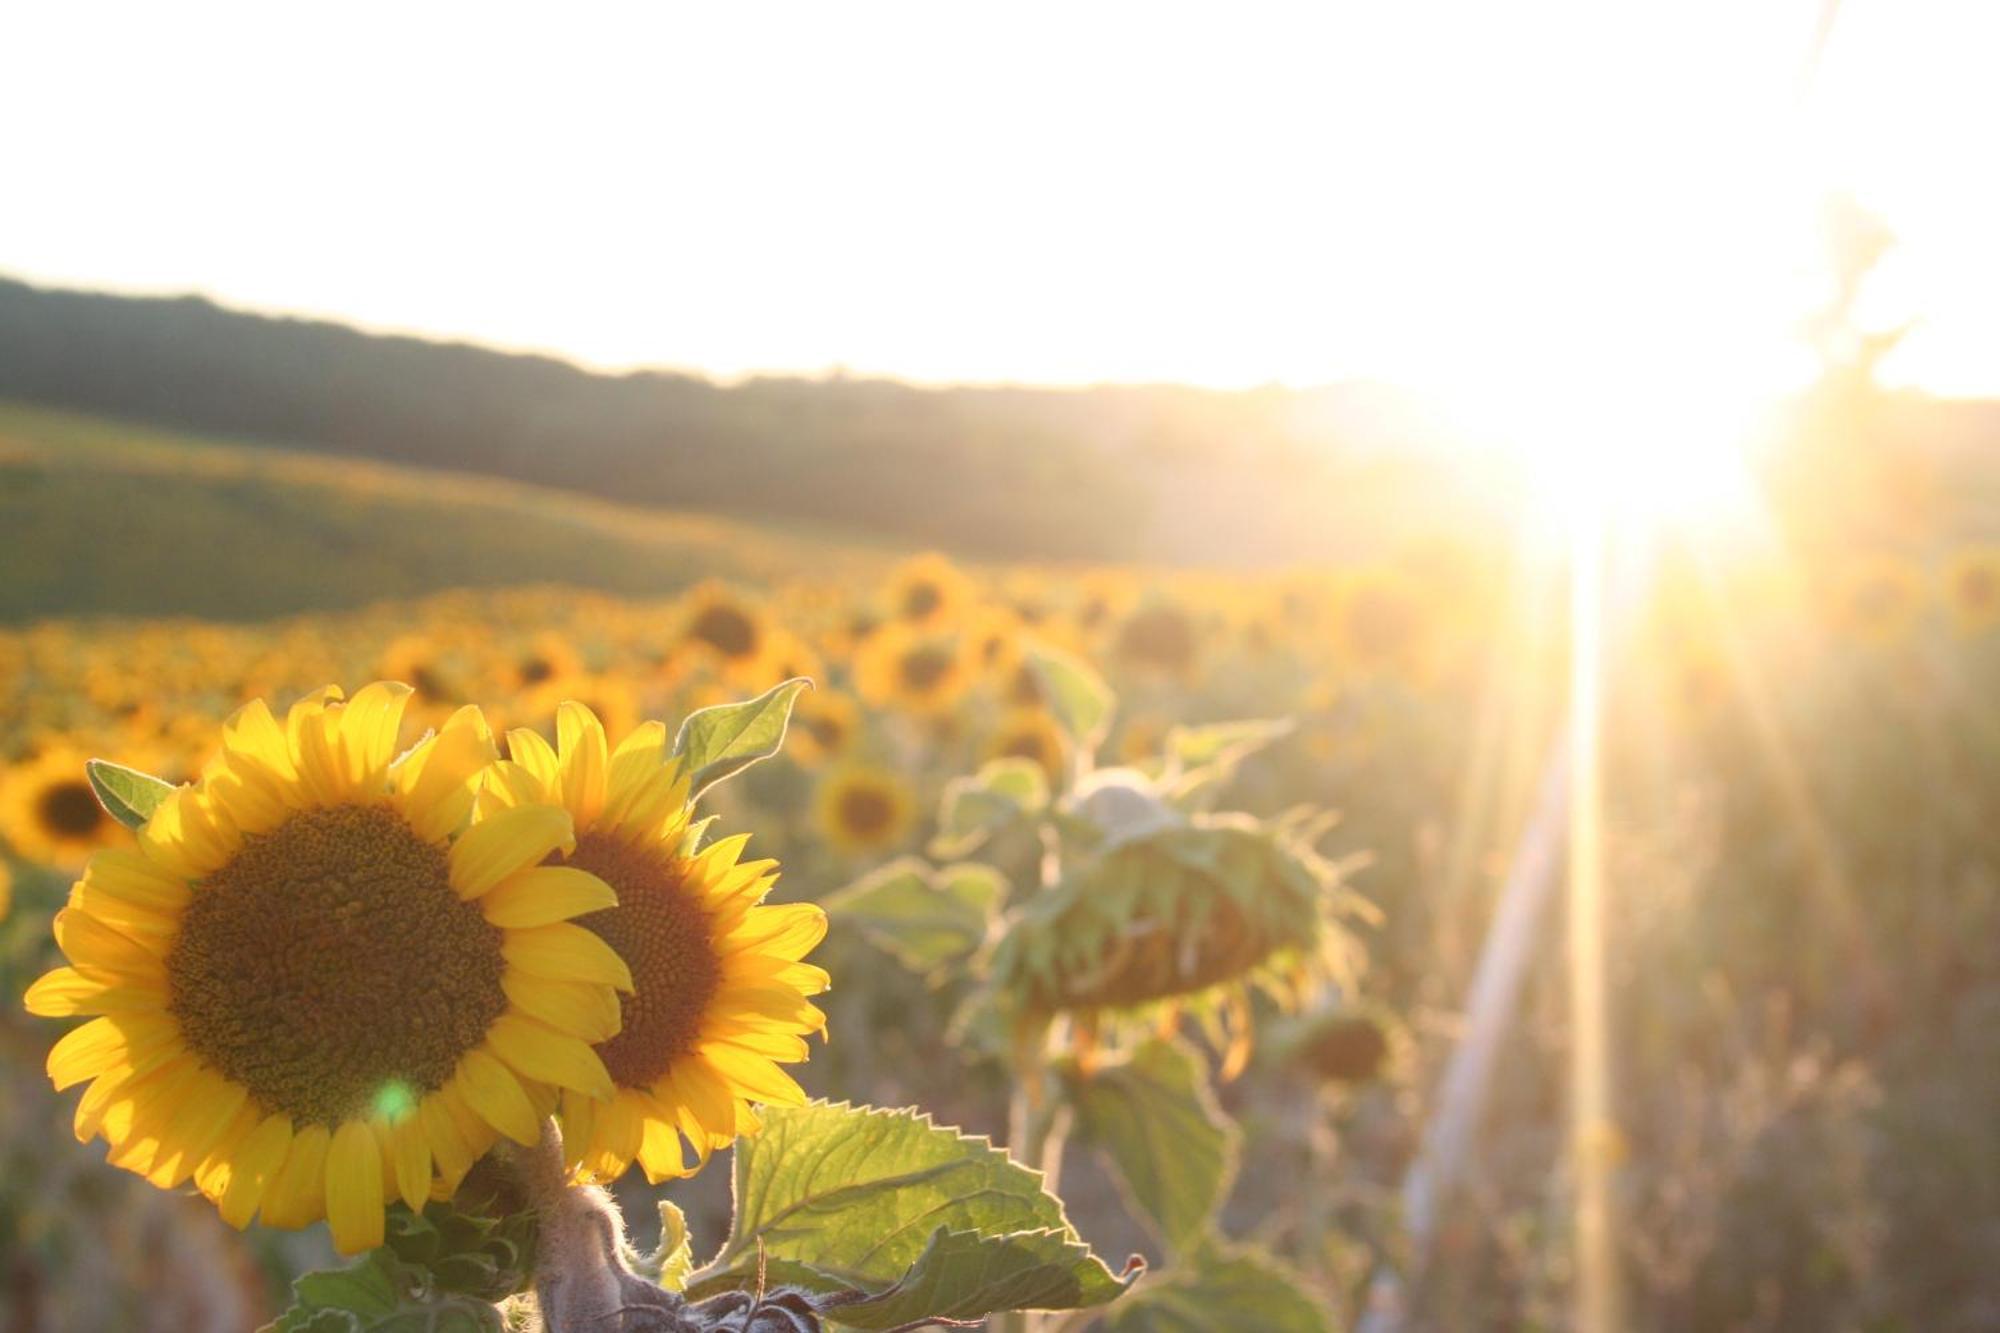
[[1160, 637], [313, 988], [719, 995], [1972, 589], [547, 660], [48, 812], [1877, 599], [1030, 733], [862, 809], [6, 890], [420, 660], [928, 590], [905, 667], [728, 630], [825, 725]]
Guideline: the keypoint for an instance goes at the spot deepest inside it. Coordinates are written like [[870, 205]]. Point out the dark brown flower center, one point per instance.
[[924, 668], [921, 600], [866, 810], [661, 931], [330, 966], [68, 809], [535, 669], [726, 629]]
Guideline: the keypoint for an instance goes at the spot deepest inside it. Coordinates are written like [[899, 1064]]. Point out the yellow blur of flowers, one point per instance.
[[317, 986], [718, 994]]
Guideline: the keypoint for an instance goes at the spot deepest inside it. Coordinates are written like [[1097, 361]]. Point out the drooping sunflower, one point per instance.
[[928, 590], [719, 994], [48, 813], [861, 809], [313, 988], [1972, 589], [919, 672]]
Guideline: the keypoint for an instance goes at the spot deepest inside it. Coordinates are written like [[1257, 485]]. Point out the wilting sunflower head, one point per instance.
[[928, 590], [1972, 589], [1160, 637], [1177, 910], [48, 812], [1346, 1044], [860, 809], [314, 987], [718, 995]]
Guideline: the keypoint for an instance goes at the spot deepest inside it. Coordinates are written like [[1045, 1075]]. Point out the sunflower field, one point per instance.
[[346, 945]]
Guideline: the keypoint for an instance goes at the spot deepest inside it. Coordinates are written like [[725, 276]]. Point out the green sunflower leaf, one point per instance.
[[1221, 1288], [382, 1294], [978, 805], [1077, 695], [721, 741], [1155, 1118], [925, 919], [891, 1219], [127, 795]]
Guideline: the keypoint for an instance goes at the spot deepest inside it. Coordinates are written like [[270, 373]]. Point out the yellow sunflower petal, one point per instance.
[[206, 1114], [119, 1085], [439, 779], [532, 752], [212, 1176], [88, 942], [505, 842], [548, 1056], [635, 762], [354, 1188], [580, 1008], [543, 895], [566, 952], [660, 1154], [67, 992], [367, 727], [150, 927], [492, 1091], [87, 1051], [296, 1194], [410, 1151], [615, 1139], [585, 760], [448, 1147], [255, 1161], [789, 931], [134, 877], [754, 1076], [253, 739]]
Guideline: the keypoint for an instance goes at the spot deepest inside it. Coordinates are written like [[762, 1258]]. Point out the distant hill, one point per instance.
[[1145, 472], [103, 518]]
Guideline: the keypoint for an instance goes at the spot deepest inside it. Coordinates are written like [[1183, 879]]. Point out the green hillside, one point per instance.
[[102, 517]]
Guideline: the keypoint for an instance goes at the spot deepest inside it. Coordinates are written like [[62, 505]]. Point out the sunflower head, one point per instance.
[[928, 590], [719, 992], [1032, 734], [920, 672], [729, 631], [1972, 589], [316, 985], [825, 726], [1876, 599], [48, 812], [861, 809]]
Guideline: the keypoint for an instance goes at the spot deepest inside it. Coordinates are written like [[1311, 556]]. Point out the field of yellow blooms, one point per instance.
[[1804, 939]]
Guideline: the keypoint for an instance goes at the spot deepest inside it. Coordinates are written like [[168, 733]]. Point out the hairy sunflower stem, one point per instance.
[[581, 1282]]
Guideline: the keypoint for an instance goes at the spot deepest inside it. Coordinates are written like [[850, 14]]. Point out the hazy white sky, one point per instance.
[[1458, 196]]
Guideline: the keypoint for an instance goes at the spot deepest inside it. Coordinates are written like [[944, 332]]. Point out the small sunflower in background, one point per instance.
[[1972, 589], [545, 660], [719, 992], [728, 630], [995, 643], [861, 809], [1876, 599], [312, 988], [48, 812], [608, 694], [1032, 734], [825, 726], [6, 890], [927, 591], [916, 671], [419, 660]]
